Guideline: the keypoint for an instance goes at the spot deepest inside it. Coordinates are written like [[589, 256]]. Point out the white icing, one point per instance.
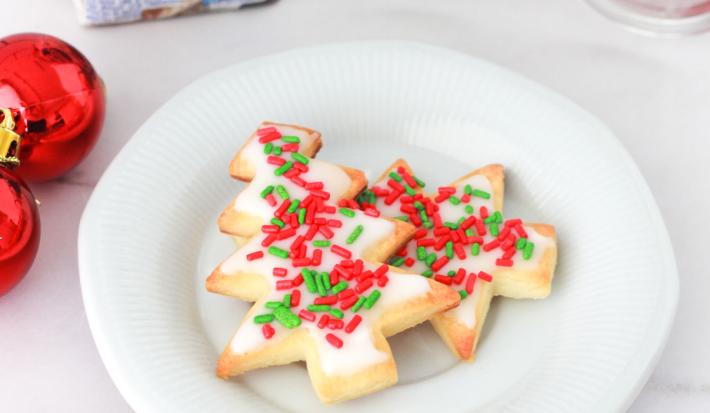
[[451, 212], [358, 351], [335, 180]]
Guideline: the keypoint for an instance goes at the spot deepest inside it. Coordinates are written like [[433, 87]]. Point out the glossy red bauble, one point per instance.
[[19, 229], [60, 100]]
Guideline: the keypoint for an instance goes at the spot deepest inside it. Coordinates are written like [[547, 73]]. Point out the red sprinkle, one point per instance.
[[352, 325], [269, 229], [314, 185], [444, 279], [275, 160], [306, 315], [502, 262], [349, 292], [348, 302], [266, 131], [337, 249], [521, 231], [335, 324], [284, 284], [372, 212], [267, 331], [363, 286], [255, 255], [301, 262], [329, 300], [327, 232], [279, 272], [334, 341], [335, 223], [460, 274], [382, 280], [295, 298], [470, 283], [317, 256], [323, 322], [440, 262], [485, 276], [491, 245], [271, 200]]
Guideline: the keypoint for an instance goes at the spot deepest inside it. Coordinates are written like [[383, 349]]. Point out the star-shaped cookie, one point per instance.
[[310, 265], [463, 241]]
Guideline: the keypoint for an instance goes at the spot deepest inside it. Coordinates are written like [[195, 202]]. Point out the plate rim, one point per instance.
[[631, 380]]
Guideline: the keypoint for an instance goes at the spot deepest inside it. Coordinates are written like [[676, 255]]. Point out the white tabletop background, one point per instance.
[[653, 93]]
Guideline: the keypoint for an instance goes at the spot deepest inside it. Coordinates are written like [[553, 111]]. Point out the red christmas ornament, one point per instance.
[[19, 220], [59, 98]]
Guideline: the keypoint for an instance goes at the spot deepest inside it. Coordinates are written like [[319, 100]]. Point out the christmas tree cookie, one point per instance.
[[313, 266], [463, 241]]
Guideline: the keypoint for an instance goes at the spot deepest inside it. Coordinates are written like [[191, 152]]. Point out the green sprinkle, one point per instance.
[[360, 301], [468, 190], [450, 250], [402, 218], [269, 189], [321, 243], [283, 168], [499, 217], [454, 200], [355, 234], [527, 252], [468, 209], [428, 273], [308, 278], [397, 261], [287, 318], [408, 189], [336, 313], [451, 273], [418, 205], [421, 253], [301, 215], [468, 232], [347, 212], [299, 158], [283, 193], [264, 318], [430, 259], [451, 225], [278, 252], [428, 225], [475, 249], [491, 219], [419, 182], [394, 175], [325, 279], [494, 229], [460, 221], [372, 299], [290, 139], [287, 300], [424, 216], [318, 308], [322, 291], [268, 148], [273, 304], [278, 222], [463, 294], [294, 206], [520, 243], [277, 150], [342, 285], [481, 194]]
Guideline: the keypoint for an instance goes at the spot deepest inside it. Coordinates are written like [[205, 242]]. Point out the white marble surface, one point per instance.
[[654, 93]]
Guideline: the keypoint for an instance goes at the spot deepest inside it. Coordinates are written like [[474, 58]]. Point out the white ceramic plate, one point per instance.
[[148, 237]]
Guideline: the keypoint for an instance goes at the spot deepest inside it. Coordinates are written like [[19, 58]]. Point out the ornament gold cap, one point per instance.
[[9, 140]]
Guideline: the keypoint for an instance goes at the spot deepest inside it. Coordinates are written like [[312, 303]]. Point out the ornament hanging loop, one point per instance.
[[9, 140]]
